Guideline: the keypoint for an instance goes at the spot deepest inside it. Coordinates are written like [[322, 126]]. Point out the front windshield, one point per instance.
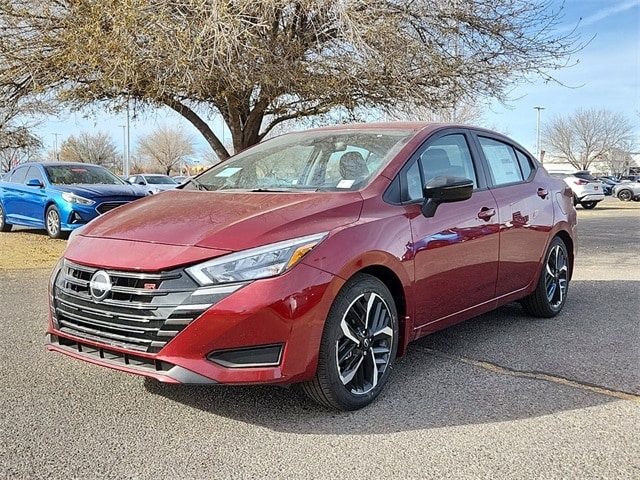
[[320, 160], [81, 174]]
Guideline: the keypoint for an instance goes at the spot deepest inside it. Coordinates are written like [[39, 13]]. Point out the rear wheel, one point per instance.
[[589, 205], [52, 222], [625, 195], [358, 346], [4, 226], [551, 292]]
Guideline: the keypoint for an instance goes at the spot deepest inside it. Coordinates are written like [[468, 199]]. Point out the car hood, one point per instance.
[[102, 190], [226, 221]]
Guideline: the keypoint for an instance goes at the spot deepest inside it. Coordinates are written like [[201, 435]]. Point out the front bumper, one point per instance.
[[267, 331]]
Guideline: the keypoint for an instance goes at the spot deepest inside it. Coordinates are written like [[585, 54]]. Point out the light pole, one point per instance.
[[124, 148], [55, 146], [538, 151], [127, 156]]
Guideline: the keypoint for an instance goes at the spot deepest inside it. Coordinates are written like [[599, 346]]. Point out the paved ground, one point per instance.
[[500, 397]]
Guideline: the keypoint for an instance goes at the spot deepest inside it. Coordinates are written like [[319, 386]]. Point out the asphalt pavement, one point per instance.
[[502, 396]]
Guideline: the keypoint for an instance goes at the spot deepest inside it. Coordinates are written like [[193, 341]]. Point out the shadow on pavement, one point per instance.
[[592, 341]]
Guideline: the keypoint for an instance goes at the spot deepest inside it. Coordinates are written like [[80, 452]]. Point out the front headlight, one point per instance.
[[73, 198], [261, 262]]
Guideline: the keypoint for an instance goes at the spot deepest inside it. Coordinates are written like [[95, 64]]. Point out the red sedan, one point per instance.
[[315, 258]]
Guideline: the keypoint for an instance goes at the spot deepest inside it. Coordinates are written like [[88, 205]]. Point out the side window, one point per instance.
[[35, 174], [502, 160], [526, 165], [19, 175], [446, 156]]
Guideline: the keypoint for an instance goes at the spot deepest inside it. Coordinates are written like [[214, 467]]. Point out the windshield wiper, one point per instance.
[[283, 189]]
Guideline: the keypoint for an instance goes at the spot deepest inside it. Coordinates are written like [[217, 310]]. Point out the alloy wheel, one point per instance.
[[53, 222], [556, 276], [363, 353]]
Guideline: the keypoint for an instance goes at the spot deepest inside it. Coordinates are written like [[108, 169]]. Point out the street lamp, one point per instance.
[[538, 151]]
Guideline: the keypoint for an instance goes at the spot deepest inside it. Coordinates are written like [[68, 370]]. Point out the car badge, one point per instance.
[[100, 285]]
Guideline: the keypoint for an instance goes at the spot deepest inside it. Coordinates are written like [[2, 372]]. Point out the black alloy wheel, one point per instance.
[[550, 294], [358, 347]]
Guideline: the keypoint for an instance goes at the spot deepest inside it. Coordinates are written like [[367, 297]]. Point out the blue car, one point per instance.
[[60, 196]]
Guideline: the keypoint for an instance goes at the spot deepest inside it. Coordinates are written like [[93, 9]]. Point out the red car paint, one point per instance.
[[470, 257]]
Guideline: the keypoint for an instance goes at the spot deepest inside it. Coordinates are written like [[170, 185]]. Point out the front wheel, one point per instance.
[[551, 291], [358, 346], [589, 205], [625, 195], [52, 222], [4, 226]]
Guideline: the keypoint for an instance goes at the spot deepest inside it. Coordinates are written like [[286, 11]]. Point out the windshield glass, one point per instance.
[[81, 174], [320, 160]]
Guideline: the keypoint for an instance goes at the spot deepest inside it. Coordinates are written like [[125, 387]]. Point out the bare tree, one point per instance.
[[166, 148], [97, 148], [262, 63], [18, 119], [618, 161], [587, 136]]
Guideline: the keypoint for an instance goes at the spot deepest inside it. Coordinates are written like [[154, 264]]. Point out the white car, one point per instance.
[[153, 182], [627, 191], [586, 191]]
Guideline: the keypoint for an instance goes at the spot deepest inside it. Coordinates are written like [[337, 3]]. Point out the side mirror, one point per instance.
[[34, 182], [445, 189]]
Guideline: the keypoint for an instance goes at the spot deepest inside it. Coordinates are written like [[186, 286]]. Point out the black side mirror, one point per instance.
[[445, 189]]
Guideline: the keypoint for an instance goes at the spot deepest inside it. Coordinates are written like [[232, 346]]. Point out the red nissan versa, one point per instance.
[[316, 257]]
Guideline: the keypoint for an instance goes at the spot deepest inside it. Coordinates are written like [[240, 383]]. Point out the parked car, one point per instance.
[[316, 257], [154, 182], [627, 191], [630, 178], [59, 196], [587, 191], [607, 184]]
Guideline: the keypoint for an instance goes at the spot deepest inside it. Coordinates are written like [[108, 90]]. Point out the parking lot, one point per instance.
[[503, 396]]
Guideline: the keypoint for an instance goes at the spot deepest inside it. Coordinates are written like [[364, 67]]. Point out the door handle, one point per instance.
[[486, 213], [542, 192]]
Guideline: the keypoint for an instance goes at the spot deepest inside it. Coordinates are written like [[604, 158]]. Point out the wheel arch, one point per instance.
[[568, 242], [393, 283]]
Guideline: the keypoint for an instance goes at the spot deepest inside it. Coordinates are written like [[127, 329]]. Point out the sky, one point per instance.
[[606, 76]]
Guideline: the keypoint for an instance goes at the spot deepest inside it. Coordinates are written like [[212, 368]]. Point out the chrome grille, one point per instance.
[[141, 311]]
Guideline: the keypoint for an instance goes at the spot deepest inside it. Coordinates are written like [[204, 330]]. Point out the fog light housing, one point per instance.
[[261, 356]]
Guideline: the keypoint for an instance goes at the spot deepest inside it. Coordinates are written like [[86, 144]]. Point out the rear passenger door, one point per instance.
[[525, 211]]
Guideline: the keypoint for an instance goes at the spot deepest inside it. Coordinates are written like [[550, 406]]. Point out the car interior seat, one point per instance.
[[436, 163], [353, 166]]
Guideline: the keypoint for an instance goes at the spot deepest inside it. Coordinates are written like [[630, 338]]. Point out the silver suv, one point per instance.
[[587, 191]]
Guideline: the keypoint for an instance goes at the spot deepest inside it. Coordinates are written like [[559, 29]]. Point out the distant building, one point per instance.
[[559, 164]]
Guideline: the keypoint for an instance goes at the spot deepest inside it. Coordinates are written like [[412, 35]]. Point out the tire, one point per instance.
[[589, 205], [4, 226], [52, 222], [625, 195], [550, 294], [358, 347]]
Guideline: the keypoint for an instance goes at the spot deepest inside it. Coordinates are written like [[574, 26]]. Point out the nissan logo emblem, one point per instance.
[[100, 285]]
